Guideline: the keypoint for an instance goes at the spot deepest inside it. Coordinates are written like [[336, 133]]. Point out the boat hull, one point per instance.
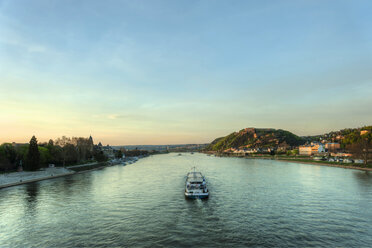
[[196, 196]]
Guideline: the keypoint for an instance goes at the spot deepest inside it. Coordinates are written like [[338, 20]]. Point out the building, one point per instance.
[[341, 154], [90, 143], [363, 132], [305, 150], [321, 148], [309, 150], [283, 147], [332, 147], [108, 151]]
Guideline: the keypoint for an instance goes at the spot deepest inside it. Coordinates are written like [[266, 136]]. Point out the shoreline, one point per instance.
[[36, 176], [67, 171], [55, 172], [18, 178], [290, 160], [326, 164], [35, 180]]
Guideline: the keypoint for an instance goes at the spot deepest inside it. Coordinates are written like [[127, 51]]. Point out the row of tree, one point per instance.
[[33, 156], [135, 153]]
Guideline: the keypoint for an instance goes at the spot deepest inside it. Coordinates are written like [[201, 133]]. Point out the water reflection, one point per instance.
[[364, 178], [31, 199], [72, 185], [252, 203]]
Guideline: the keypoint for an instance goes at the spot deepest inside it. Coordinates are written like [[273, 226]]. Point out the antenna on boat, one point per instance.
[[193, 168]]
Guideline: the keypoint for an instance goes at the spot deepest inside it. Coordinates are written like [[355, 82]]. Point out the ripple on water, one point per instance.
[[252, 203]]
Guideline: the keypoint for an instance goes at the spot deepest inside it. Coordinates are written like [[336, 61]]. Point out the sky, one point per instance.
[[175, 72]]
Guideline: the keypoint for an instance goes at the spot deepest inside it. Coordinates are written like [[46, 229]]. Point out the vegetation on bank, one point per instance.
[[136, 153], [261, 138], [304, 159], [369, 165], [345, 137], [357, 141], [34, 156]]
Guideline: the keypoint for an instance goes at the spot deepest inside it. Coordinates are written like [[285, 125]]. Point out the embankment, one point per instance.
[[17, 178], [297, 160]]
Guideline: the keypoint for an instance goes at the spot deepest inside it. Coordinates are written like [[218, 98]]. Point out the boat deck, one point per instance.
[[194, 177]]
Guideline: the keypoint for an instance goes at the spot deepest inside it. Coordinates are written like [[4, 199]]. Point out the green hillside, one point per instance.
[[256, 138], [347, 136]]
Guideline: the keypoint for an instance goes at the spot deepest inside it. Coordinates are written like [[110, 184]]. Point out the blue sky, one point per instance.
[[166, 72]]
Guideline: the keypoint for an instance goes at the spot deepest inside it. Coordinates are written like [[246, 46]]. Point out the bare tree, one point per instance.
[[362, 149]]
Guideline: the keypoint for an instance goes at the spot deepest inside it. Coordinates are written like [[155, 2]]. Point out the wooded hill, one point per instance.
[[267, 137], [256, 138], [347, 136]]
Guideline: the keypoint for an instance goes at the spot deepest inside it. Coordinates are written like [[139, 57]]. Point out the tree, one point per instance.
[[45, 156], [57, 154], [84, 147], [11, 153], [362, 149], [119, 154], [99, 156], [70, 154], [8, 157], [33, 155], [62, 141]]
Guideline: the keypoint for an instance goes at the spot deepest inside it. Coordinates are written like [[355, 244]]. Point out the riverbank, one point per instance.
[[17, 178], [297, 160], [88, 167], [338, 165]]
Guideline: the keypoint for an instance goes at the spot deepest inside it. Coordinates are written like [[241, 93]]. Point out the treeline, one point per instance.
[[135, 153], [62, 152], [353, 136]]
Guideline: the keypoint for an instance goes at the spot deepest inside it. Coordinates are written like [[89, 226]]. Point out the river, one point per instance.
[[262, 203]]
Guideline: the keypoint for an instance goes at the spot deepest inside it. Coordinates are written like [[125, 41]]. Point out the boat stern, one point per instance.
[[191, 195]]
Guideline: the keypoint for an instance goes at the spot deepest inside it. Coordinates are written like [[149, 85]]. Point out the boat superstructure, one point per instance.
[[196, 186]]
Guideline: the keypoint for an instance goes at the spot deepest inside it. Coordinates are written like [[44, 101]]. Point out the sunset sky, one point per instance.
[[172, 72]]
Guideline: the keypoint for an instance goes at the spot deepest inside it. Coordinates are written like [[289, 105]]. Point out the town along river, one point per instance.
[[261, 203]]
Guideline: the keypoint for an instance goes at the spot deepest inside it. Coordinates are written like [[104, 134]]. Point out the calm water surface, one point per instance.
[[252, 203]]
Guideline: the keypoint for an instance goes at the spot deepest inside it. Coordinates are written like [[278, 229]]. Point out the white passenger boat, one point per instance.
[[196, 186]]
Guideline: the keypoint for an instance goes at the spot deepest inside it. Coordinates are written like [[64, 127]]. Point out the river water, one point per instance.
[[261, 203]]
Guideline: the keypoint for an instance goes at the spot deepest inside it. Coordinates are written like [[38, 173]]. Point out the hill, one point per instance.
[[347, 136], [256, 138]]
